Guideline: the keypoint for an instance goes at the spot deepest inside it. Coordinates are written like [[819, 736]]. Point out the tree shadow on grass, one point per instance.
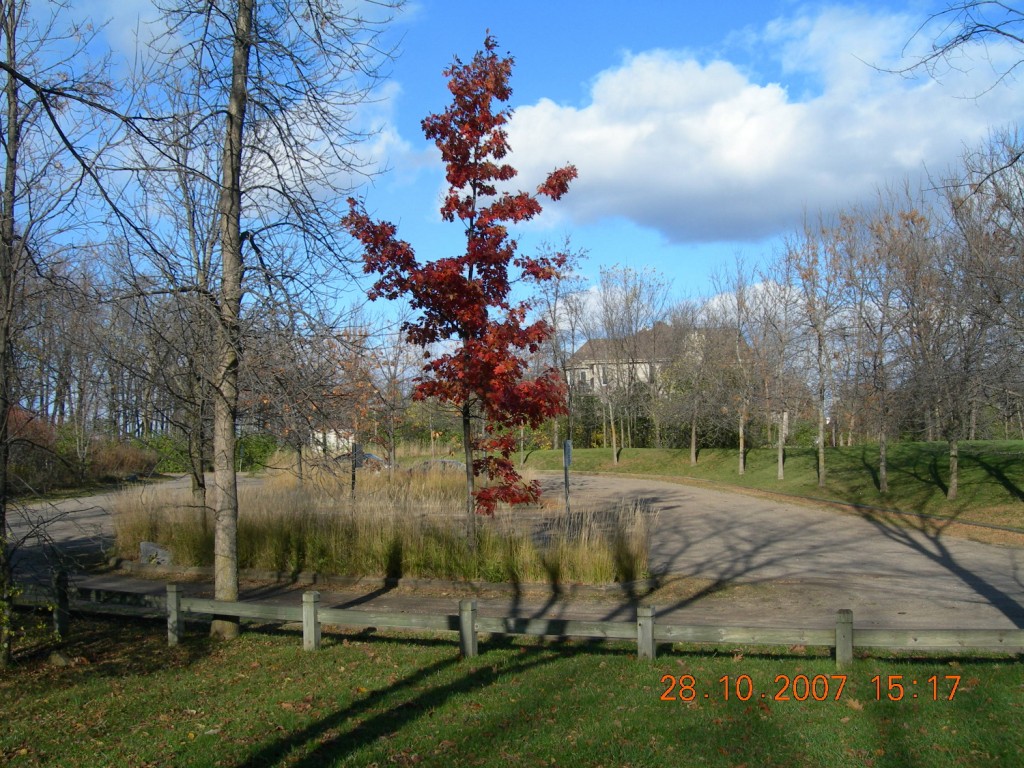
[[871, 466], [999, 475], [408, 702], [109, 645]]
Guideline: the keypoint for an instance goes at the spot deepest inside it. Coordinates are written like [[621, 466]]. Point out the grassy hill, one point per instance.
[[991, 475]]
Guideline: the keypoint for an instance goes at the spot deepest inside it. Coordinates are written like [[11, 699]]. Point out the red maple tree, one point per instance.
[[466, 299]]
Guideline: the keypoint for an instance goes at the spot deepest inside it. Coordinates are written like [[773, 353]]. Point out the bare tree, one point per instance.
[[560, 302], [283, 81], [629, 331], [971, 24], [697, 381], [816, 261], [776, 344], [734, 303], [395, 365], [47, 140]]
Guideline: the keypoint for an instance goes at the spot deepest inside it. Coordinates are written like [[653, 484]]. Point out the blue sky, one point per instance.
[[700, 130]]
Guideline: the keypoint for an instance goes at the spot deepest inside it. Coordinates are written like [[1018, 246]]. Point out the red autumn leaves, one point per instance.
[[466, 299]]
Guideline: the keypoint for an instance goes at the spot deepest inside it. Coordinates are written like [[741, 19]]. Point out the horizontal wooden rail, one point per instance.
[[353, 617], [243, 610], [669, 633], [610, 630], [645, 631], [941, 639]]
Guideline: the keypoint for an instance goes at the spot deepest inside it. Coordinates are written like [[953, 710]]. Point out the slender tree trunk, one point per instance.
[[604, 425], [693, 439], [822, 372], [743, 440], [7, 591], [954, 469], [197, 450], [821, 444], [467, 448], [615, 448], [225, 550], [9, 254], [883, 464], [780, 458]]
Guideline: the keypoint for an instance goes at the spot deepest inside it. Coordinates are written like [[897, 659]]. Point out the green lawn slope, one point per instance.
[[991, 486]]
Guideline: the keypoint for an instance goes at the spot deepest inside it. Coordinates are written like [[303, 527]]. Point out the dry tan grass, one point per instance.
[[397, 524]]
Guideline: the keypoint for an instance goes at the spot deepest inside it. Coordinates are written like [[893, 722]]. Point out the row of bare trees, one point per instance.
[[899, 320], [167, 218]]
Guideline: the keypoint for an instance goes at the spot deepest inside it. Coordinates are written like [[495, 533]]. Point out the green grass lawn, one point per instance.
[[991, 474], [368, 700]]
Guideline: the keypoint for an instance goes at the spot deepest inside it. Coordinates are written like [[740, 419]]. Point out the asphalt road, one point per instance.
[[744, 559]]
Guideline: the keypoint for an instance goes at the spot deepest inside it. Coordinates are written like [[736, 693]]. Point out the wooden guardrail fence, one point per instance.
[[645, 630], [647, 633]]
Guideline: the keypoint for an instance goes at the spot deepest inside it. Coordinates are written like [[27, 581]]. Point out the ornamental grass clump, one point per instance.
[[395, 525]]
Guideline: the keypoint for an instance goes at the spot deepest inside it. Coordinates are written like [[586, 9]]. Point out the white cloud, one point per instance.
[[704, 151]]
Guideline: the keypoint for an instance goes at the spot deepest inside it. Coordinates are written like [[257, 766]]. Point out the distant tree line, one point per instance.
[[901, 320]]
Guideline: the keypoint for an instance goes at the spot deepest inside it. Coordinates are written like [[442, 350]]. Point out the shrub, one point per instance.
[[253, 452]]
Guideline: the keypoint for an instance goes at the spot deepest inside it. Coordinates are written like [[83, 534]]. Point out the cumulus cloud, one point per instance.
[[707, 150]]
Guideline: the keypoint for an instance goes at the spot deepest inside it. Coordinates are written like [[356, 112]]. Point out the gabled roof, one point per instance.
[[660, 344], [651, 344]]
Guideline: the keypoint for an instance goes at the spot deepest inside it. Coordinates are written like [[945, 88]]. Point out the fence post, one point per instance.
[[467, 628], [61, 603], [173, 614], [645, 647], [844, 638], [310, 621]]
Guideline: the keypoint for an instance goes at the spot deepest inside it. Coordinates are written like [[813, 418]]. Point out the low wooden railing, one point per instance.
[[646, 631]]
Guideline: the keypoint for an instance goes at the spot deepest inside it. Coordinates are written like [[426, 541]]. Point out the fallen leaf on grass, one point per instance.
[[854, 704]]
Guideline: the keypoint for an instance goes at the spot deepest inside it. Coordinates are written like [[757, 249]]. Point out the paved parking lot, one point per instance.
[[751, 560]]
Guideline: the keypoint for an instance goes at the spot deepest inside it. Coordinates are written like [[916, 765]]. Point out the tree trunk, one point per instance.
[[821, 441], [467, 449], [225, 554], [693, 440], [954, 469], [615, 448], [9, 253], [883, 465], [604, 426], [743, 440], [780, 459], [197, 451]]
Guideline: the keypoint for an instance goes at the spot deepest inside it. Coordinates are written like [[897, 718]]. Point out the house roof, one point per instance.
[[662, 343]]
